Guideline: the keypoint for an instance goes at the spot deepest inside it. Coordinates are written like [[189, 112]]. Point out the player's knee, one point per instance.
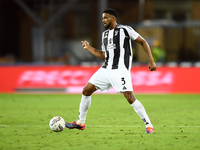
[[88, 89], [130, 97], [85, 91]]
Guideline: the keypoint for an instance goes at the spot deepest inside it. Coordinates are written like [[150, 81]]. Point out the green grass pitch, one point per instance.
[[111, 122]]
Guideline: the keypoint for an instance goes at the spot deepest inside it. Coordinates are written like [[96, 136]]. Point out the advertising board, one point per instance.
[[71, 79]]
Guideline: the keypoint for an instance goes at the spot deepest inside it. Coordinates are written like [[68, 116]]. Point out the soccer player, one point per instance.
[[115, 72]]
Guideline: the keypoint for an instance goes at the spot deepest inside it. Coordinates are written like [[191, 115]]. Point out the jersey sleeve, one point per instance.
[[102, 45], [132, 33]]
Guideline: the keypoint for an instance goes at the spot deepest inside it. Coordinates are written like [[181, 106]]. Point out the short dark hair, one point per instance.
[[111, 12]]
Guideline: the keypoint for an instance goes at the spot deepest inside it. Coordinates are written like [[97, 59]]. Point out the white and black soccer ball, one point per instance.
[[57, 124]]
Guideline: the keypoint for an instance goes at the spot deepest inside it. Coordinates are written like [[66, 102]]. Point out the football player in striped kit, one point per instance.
[[115, 72]]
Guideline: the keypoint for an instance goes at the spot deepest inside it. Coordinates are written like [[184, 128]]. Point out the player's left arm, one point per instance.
[[94, 51], [145, 45]]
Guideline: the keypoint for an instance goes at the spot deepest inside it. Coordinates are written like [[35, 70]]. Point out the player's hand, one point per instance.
[[85, 44], [152, 66]]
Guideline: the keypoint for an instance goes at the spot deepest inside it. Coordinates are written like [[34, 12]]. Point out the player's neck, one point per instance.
[[113, 26]]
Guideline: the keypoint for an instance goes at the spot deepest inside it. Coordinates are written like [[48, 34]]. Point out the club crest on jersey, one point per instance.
[[116, 32]]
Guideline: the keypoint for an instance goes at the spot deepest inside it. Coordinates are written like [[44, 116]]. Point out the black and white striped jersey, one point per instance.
[[117, 46]]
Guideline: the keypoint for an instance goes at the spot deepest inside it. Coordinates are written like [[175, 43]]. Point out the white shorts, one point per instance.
[[119, 79]]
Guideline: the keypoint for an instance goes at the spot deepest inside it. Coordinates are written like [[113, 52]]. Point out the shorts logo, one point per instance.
[[124, 88]]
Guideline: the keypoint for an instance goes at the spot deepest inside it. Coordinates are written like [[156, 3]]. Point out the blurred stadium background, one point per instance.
[[40, 48]]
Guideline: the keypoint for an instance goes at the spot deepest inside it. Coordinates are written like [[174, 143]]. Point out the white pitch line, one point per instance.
[[109, 126], [104, 126], [21, 125]]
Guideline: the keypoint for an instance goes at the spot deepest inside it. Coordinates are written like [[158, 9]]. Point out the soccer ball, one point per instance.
[[57, 124]]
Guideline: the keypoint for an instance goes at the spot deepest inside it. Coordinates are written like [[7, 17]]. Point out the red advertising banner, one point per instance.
[[71, 79]]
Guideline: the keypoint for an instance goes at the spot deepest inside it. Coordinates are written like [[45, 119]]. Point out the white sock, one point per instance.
[[83, 108], [140, 110]]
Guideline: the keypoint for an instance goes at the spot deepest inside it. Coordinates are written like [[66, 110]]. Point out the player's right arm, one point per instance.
[[95, 52], [139, 39], [145, 45]]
